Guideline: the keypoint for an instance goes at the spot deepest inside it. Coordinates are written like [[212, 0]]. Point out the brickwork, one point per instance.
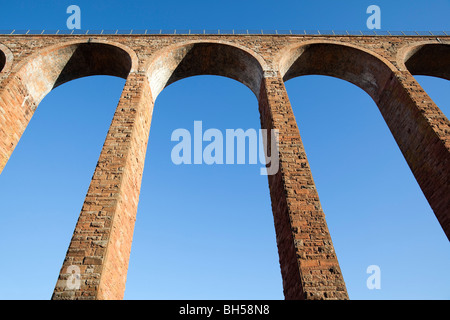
[[31, 66], [309, 265]]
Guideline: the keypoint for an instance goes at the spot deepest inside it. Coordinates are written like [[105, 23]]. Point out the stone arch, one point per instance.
[[356, 65], [426, 59], [58, 64], [205, 58], [34, 77], [420, 130]]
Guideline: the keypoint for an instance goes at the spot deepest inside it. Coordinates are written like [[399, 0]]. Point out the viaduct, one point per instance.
[[383, 66]]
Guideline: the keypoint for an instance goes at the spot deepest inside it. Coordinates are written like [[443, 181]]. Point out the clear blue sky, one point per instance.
[[206, 232]]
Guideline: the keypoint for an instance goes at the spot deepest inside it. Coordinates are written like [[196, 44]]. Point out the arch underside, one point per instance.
[[339, 61], [416, 123], [430, 60], [25, 88], [205, 59], [48, 71], [95, 59]]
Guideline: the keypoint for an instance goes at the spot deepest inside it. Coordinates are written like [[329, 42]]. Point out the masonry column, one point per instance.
[[309, 266], [101, 243], [422, 133]]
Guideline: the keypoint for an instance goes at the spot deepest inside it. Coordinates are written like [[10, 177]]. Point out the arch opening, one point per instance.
[[221, 243], [376, 77], [48, 69], [364, 186], [45, 182], [195, 63]]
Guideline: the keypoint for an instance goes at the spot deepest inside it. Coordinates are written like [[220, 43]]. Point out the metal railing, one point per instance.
[[224, 32]]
